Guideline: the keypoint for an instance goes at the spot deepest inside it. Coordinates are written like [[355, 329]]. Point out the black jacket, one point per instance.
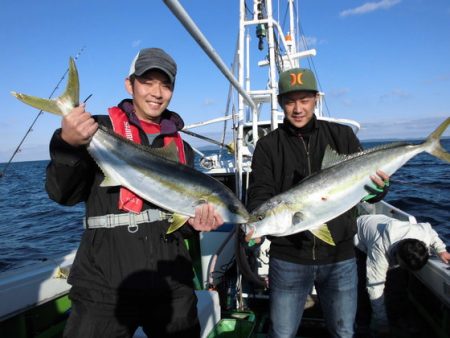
[[282, 159], [115, 258]]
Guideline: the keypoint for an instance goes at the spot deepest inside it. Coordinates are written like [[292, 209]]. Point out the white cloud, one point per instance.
[[339, 92], [440, 78], [136, 43], [26, 153], [395, 93], [307, 42], [401, 128], [369, 7], [208, 102]]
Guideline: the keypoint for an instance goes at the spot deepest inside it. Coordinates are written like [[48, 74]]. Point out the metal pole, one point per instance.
[[192, 28], [273, 79]]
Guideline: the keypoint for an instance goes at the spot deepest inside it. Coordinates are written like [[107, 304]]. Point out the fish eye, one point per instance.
[[260, 217], [233, 208]]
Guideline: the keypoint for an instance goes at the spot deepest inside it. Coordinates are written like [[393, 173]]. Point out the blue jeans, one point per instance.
[[289, 285]]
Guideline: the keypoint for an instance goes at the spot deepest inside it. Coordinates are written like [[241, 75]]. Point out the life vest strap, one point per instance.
[[132, 220]]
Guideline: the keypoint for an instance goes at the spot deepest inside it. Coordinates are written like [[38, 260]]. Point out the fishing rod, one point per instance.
[[30, 129], [229, 147]]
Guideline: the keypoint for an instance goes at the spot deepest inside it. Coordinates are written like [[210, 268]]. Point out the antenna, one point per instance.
[[30, 129]]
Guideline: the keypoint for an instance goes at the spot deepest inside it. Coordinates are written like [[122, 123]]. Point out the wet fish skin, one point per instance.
[[335, 189], [153, 174]]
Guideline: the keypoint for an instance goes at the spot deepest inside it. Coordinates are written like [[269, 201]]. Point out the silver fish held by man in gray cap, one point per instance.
[[338, 187], [152, 173]]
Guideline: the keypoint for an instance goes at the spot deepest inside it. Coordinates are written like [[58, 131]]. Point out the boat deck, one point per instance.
[[412, 310]]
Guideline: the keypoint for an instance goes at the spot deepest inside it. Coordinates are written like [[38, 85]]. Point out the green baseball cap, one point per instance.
[[297, 79]]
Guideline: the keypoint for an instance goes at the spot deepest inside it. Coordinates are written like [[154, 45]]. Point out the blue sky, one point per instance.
[[385, 63]]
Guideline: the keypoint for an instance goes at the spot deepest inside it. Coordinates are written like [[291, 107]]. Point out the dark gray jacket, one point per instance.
[[281, 160]]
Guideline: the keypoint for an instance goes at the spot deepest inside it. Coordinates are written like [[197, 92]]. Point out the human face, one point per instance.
[[151, 93], [298, 107]]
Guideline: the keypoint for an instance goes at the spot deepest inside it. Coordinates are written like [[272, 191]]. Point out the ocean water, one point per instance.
[[33, 228]]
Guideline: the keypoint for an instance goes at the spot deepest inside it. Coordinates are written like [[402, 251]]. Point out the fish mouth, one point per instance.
[[240, 219], [247, 228], [242, 216]]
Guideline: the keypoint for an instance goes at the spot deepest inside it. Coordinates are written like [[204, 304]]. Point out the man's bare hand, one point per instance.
[[78, 127], [206, 218]]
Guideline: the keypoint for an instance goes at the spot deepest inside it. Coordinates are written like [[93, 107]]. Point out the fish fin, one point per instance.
[[434, 138], [322, 232], [231, 148], [61, 105], [176, 222], [200, 201], [108, 182], [60, 272], [331, 158], [169, 151]]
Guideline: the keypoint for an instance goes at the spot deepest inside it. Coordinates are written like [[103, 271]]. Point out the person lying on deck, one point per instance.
[[383, 243]]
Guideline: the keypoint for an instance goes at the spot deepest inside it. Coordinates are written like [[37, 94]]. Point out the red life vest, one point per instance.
[[128, 201]]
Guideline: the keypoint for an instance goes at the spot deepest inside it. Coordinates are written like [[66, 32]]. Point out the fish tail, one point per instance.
[[61, 105], [433, 140]]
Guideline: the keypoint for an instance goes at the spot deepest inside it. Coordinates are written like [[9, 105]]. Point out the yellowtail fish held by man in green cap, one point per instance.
[[324, 255]]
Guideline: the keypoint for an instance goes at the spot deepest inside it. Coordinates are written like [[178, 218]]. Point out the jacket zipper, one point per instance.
[[306, 146]]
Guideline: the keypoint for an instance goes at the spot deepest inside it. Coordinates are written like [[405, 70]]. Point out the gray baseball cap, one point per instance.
[[153, 58]]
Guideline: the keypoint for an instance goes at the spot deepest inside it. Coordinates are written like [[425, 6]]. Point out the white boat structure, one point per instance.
[[232, 300]]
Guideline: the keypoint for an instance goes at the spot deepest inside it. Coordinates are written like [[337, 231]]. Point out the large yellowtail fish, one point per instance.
[[153, 174], [338, 187]]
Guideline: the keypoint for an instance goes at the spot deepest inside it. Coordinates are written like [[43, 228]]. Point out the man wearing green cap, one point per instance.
[[282, 159]]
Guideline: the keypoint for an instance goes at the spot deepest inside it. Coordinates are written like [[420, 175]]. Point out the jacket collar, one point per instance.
[[306, 130]]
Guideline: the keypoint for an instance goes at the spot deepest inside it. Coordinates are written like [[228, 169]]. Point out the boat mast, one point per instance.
[[292, 34], [192, 28], [267, 27], [273, 84]]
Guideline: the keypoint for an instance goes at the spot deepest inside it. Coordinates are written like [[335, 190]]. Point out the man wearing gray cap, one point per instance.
[[128, 272]]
